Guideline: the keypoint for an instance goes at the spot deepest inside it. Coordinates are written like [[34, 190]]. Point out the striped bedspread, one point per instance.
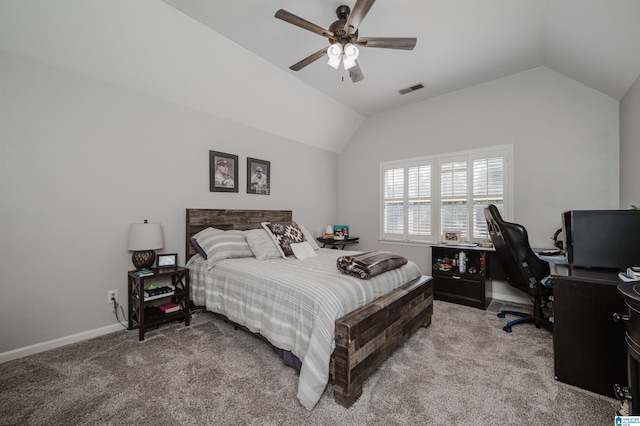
[[293, 303]]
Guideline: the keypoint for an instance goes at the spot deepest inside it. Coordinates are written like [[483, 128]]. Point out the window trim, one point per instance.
[[506, 151]]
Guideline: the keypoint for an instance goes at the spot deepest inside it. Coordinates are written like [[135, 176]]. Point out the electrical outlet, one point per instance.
[[112, 294]]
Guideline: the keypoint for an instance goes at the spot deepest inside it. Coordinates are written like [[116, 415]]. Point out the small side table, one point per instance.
[[180, 295], [338, 244]]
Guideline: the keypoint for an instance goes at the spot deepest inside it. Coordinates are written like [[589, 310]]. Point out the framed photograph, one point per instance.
[[341, 231], [223, 172], [167, 260], [452, 237], [258, 176]]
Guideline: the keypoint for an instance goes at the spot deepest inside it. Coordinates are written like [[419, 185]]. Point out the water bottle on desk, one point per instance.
[[462, 262]]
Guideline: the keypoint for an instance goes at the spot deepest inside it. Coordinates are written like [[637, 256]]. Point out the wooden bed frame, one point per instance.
[[364, 338]]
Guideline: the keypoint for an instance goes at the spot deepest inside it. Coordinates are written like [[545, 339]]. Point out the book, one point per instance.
[[144, 272], [150, 292], [634, 272], [169, 307], [626, 277]]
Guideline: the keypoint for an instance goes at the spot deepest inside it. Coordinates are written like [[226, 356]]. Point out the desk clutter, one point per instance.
[[336, 232], [461, 263], [632, 274]]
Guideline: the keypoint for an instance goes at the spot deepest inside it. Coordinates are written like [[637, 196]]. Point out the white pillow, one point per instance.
[[303, 250], [309, 237], [261, 244]]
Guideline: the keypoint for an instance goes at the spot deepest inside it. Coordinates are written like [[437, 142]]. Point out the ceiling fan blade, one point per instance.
[[356, 73], [302, 23], [405, 43], [309, 59], [356, 16]]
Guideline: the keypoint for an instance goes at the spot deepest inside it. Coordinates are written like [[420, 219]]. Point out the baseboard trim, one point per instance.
[[510, 298], [56, 343]]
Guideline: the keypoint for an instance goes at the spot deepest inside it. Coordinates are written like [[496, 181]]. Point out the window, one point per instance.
[[407, 201], [425, 196]]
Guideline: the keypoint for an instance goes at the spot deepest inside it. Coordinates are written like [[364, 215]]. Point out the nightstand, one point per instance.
[[180, 295], [338, 244]]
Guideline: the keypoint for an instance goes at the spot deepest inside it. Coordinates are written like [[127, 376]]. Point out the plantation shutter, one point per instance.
[[393, 203], [407, 201], [489, 173], [453, 196], [419, 199]]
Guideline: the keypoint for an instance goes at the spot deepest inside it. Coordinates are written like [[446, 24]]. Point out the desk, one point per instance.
[[588, 346]]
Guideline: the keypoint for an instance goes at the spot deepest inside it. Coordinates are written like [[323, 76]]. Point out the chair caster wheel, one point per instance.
[[500, 315], [507, 328]]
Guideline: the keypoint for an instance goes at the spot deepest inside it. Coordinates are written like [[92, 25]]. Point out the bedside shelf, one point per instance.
[[159, 296], [179, 279]]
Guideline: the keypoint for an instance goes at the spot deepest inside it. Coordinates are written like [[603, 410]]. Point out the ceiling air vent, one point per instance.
[[411, 89]]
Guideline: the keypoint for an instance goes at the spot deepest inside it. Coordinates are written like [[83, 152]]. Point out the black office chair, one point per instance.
[[524, 269]]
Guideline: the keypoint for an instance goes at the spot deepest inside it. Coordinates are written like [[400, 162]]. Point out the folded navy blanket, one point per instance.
[[369, 264]]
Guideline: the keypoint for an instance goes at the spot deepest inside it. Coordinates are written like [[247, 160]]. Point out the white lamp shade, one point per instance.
[[334, 52], [351, 53], [145, 236]]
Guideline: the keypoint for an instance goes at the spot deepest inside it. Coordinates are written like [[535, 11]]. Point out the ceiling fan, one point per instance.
[[343, 38]]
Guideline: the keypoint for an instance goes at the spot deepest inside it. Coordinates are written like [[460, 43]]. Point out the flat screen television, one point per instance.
[[602, 238]]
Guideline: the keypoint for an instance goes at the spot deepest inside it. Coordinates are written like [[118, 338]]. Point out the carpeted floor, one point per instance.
[[463, 369]]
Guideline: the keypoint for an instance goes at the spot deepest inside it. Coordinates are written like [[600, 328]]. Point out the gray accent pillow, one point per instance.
[[224, 245], [261, 244], [202, 238]]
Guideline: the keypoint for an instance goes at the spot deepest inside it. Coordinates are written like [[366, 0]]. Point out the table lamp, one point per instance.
[[144, 238]]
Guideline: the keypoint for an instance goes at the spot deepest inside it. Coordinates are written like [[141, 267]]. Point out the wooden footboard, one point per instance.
[[366, 337]]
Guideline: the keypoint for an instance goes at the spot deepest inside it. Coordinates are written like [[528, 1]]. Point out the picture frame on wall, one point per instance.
[[258, 176], [223, 172]]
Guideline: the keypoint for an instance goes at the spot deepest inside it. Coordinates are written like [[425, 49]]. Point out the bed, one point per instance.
[[388, 308]]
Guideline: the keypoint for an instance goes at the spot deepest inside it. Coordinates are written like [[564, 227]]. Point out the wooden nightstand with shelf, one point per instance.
[[180, 295]]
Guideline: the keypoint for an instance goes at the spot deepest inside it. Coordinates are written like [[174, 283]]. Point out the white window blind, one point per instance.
[[423, 197], [453, 196], [488, 188], [394, 202], [406, 211]]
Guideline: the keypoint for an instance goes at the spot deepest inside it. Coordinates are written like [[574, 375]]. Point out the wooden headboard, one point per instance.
[[199, 219]]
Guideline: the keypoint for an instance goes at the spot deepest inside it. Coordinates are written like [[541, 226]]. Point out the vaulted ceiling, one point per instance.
[[460, 43], [231, 58]]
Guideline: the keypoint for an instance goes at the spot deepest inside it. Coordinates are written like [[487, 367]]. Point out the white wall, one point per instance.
[[150, 47], [81, 159], [566, 149], [630, 147]]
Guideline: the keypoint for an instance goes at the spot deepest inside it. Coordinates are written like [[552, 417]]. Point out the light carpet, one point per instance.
[[463, 369]]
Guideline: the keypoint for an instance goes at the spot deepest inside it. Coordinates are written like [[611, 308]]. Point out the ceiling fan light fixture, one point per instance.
[[343, 35], [334, 52], [351, 53]]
